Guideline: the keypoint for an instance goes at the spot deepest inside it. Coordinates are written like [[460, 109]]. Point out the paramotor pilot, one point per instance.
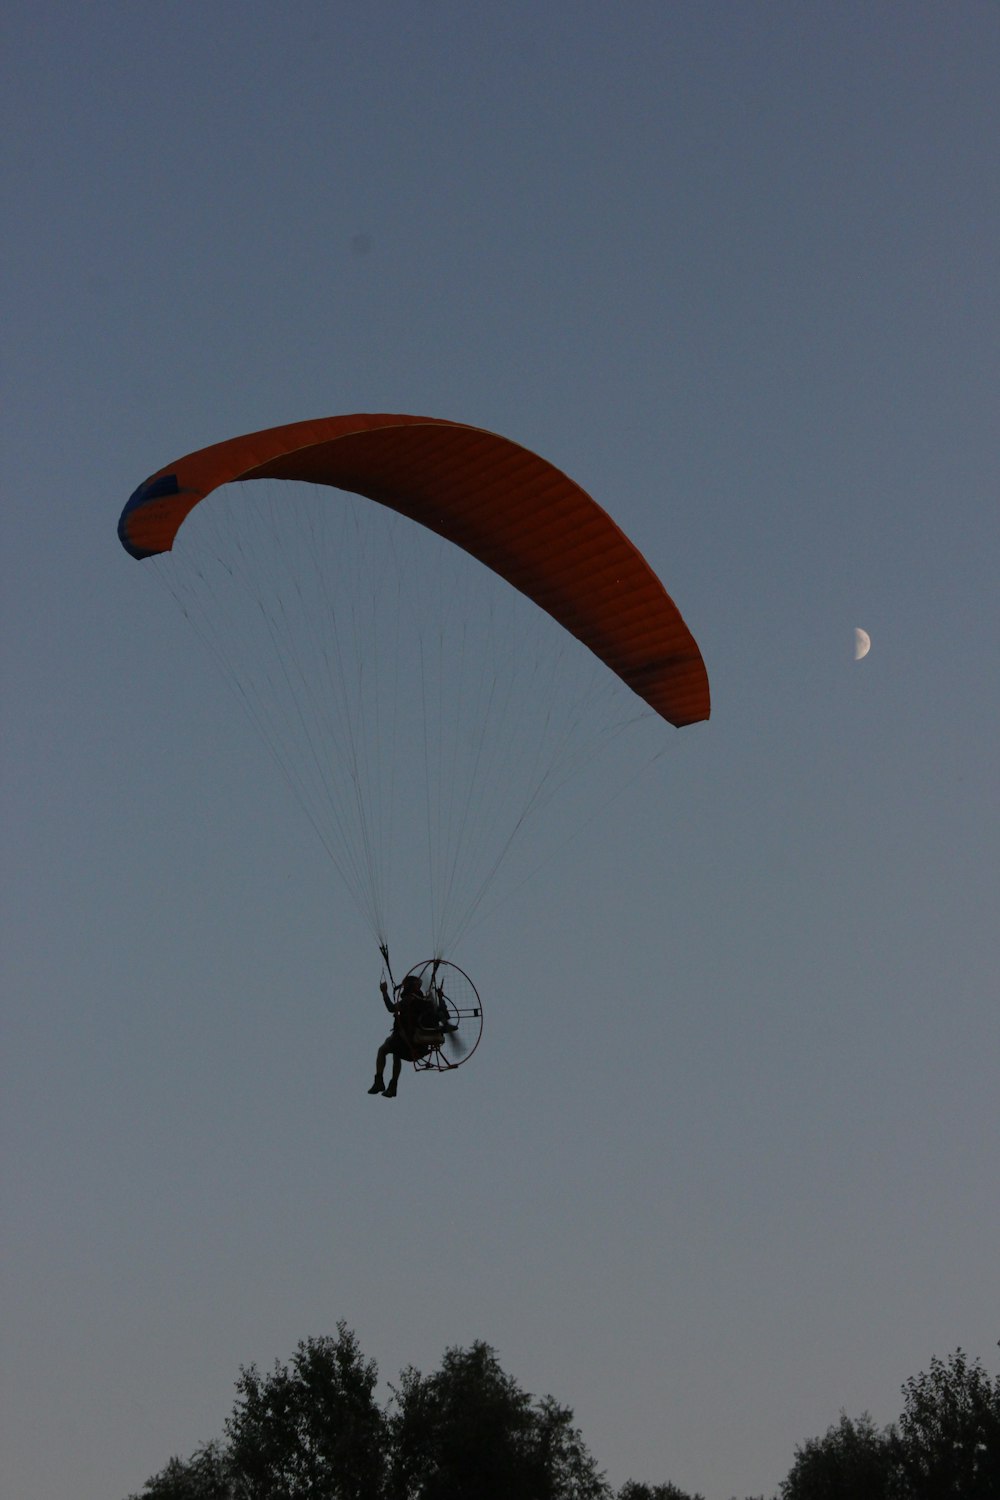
[[418, 1025]]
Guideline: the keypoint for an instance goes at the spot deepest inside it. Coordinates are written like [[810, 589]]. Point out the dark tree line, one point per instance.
[[314, 1430], [945, 1446]]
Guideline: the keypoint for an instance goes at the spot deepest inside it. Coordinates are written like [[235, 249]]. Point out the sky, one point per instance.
[[725, 1162]]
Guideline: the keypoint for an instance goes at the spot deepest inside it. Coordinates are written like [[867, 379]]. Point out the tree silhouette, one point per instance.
[[854, 1460], [309, 1428], [470, 1430], [948, 1443], [312, 1429]]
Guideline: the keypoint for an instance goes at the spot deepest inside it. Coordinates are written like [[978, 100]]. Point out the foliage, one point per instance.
[[633, 1490], [854, 1459], [948, 1443], [205, 1476], [313, 1430], [945, 1447], [469, 1429]]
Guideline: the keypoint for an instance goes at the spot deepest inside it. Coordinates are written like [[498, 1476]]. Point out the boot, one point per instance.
[[390, 1092], [378, 1087]]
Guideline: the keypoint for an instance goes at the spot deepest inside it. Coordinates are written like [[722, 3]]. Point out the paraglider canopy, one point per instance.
[[512, 510], [422, 710]]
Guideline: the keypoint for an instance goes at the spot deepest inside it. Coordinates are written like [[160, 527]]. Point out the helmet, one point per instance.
[[411, 982]]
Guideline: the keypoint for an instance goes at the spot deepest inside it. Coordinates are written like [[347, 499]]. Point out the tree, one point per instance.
[[470, 1430], [205, 1476], [853, 1460], [313, 1430], [948, 1443], [310, 1428], [633, 1490]]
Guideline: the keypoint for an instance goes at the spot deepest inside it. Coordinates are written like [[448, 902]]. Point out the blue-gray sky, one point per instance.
[[726, 1161]]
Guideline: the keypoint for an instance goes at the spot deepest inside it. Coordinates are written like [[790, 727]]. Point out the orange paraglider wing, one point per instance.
[[518, 514]]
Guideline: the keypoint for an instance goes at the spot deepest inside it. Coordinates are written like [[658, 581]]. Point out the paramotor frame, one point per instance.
[[455, 998]]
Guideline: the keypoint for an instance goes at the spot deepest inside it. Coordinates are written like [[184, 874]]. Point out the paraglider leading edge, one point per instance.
[[512, 510]]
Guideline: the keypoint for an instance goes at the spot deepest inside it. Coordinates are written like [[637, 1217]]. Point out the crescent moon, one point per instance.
[[862, 644]]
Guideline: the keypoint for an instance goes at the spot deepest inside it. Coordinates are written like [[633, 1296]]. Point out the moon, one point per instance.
[[862, 643]]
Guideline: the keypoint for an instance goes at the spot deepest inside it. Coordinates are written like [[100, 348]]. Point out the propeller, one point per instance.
[[455, 1044], [454, 1041]]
